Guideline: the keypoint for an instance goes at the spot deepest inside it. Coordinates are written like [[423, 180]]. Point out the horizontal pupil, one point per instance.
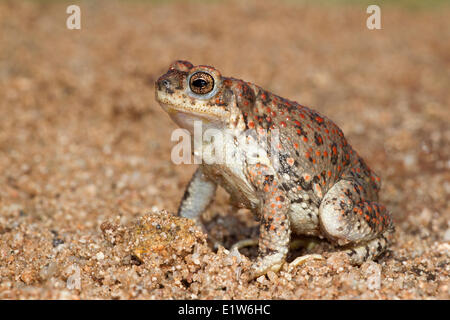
[[199, 83]]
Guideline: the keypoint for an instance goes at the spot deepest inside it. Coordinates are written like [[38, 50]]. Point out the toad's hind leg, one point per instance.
[[349, 219]]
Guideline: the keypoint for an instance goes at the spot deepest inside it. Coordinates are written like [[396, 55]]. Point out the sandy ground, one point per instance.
[[87, 188]]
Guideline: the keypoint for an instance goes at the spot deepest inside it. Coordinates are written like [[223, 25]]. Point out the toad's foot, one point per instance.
[[301, 260], [308, 244], [259, 270], [245, 243], [262, 265]]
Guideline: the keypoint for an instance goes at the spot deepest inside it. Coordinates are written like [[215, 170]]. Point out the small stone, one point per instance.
[[48, 271], [372, 272], [272, 276], [261, 279], [27, 276], [447, 235]]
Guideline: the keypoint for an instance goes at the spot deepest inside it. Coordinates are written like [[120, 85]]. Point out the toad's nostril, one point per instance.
[[166, 83]]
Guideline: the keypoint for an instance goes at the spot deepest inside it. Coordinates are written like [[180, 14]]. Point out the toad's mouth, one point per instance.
[[191, 117]]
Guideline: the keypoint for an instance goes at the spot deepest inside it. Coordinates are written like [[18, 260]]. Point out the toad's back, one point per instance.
[[313, 151]]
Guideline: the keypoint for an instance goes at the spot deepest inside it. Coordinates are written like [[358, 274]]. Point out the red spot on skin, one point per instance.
[[296, 145], [307, 155], [283, 124], [246, 103], [327, 131], [263, 96], [307, 177], [325, 153], [288, 118], [318, 190], [290, 161], [269, 119], [273, 113], [318, 153], [302, 115], [268, 110], [299, 131], [251, 124], [305, 139], [319, 119], [297, 123], [334, 150], [329, 173]]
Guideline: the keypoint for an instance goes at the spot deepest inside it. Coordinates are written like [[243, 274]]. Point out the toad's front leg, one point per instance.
[[198, 195], [275, 228]]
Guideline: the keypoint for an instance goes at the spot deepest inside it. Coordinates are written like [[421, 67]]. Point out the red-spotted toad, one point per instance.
[[319, 186]]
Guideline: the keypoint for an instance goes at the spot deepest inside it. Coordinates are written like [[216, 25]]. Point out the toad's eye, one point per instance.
[[201, 83]]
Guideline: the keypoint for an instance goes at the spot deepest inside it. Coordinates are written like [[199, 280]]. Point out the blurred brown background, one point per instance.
[[82, 139]]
